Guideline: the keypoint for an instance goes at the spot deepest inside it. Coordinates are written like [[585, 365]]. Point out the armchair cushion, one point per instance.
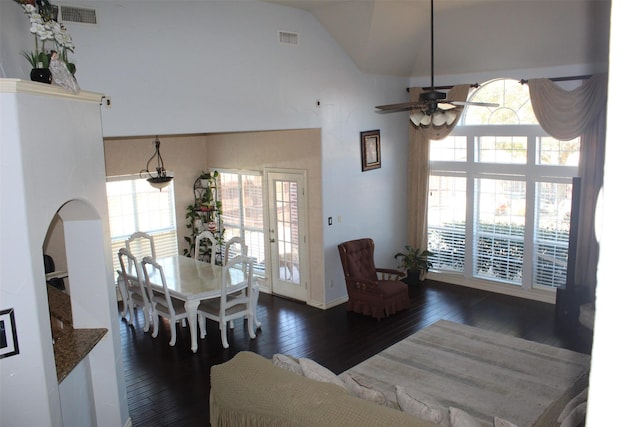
[[359, 259]]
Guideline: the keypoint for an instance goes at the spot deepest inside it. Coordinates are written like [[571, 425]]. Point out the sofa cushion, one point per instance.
[[359, 388], [249, 390], [571, 405], [315, 371], [422, 405], [460, 418], [576, 417], [287, 362], [499, 422]]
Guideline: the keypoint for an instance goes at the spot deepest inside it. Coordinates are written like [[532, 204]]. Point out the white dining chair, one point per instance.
[[164, 305], [200, 238], [141, 244], [133, 289], [234, 246], [234, 303], [237, 246]]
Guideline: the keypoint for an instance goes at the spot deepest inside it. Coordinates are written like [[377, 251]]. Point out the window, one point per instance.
[[242, 212], [500, 194], [136, 206]]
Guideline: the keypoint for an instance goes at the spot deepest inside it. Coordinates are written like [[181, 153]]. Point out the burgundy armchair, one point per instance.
[[376, 292]]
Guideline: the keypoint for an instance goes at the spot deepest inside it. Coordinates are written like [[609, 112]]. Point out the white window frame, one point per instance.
[[530, 173]]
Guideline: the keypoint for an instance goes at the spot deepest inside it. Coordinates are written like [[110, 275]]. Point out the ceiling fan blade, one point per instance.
[[474, 103], [446, 105], [400, 106]]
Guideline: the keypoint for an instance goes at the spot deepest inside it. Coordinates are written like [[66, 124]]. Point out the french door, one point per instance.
[[288, 233]]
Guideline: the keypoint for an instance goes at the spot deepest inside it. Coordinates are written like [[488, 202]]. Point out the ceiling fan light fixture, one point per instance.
[[438, 118], [426, 120], [450, 116], [416, 118]]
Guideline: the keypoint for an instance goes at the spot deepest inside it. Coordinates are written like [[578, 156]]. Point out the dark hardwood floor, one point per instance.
[[169, 386]]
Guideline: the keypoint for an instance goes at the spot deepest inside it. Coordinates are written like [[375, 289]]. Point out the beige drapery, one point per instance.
[[418, 166], [566, 115]]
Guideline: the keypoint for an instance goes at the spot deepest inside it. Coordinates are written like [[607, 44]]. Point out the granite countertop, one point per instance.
[[70, 345]]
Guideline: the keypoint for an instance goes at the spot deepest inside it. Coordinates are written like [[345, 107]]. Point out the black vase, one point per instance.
[[42, 75]]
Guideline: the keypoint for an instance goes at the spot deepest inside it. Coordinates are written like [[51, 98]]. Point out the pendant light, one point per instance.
[[160, 178]]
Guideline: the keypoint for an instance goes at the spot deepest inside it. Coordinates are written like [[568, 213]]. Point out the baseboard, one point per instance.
[[535, 294], [331, 304]]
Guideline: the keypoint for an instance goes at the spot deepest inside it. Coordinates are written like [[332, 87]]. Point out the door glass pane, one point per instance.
[[287, 231]]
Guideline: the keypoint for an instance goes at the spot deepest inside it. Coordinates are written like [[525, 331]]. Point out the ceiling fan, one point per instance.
[[433, 105]]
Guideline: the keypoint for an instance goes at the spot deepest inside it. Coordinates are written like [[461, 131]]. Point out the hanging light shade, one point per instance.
[[450, 116], [416, 118], [438, 117], [426, 120], [160, 178]]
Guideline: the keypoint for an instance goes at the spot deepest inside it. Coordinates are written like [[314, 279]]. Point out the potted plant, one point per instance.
[[206, 179], [414, 261]]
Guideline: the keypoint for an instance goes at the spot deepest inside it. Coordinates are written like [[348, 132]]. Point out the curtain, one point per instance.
[[566, 115], [418, 166]]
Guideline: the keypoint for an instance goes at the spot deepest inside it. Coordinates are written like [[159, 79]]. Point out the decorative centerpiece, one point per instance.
[[45, 28]]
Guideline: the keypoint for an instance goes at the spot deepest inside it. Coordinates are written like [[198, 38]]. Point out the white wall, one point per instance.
[[193, 66]]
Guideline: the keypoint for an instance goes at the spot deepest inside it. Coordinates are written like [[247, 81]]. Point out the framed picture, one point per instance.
[[8, 334], [370, 149]]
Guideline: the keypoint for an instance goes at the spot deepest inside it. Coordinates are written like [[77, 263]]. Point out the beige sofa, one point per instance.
[[250, 390], [447, 374]]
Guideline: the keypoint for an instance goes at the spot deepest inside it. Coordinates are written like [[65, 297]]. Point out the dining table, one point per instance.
[[192, 281]]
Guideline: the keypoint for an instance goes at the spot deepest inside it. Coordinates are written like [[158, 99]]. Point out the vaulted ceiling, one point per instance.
[[392, 37]]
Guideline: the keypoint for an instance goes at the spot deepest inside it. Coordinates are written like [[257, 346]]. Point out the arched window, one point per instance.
[[500, 196]]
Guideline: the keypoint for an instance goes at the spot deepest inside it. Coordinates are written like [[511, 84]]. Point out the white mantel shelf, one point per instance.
[[36, 88]]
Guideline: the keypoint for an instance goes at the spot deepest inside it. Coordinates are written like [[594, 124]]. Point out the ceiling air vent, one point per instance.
[[287, 37], [78, 14]]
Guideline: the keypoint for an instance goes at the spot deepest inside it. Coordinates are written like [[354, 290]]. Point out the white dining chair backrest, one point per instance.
[[147, 264], [234, 246], [136, 293], [206, 234], [141, 244], [237, 275]]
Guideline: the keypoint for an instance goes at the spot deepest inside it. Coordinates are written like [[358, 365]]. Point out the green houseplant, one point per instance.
[[205, 213], [414, 261]]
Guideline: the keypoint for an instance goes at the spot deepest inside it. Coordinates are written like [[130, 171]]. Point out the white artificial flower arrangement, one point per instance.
[[44, 28]]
